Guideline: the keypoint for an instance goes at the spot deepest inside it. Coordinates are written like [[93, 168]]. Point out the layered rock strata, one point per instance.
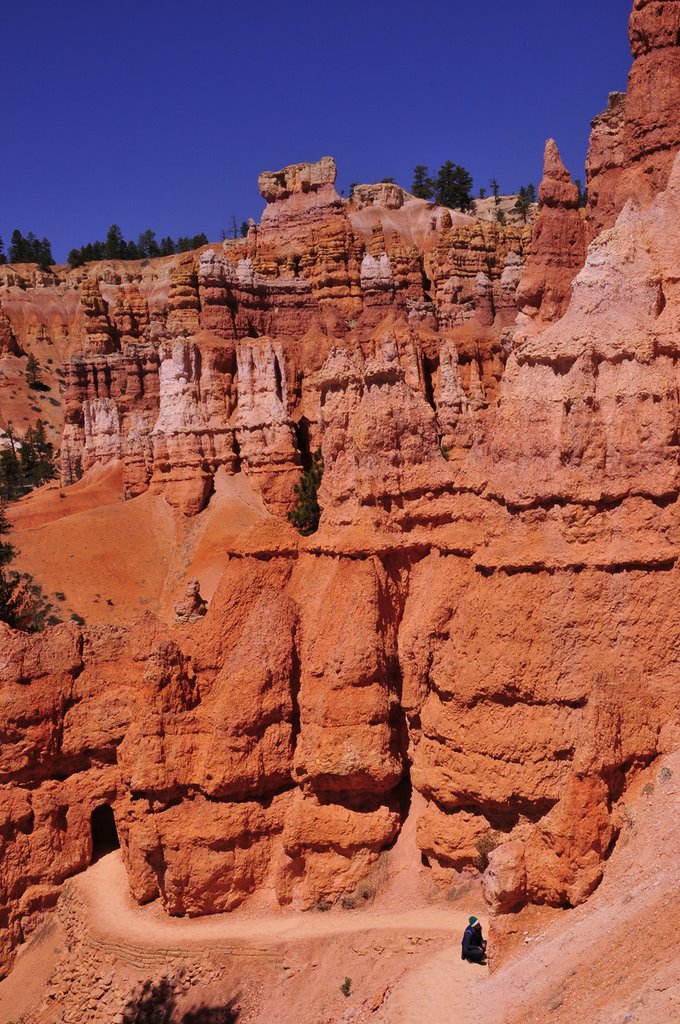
[[634, 141], [485, 616], [235, 349]]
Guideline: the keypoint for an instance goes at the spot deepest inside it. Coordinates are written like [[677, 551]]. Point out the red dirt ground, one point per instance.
[[112, 559]]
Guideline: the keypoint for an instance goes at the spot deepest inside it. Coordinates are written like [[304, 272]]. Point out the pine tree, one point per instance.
[[582, 193], [423, 186], [3, 258], [44, 256], [525, 199], [34, 250], [245, 227], [22, 603], [453, 187], [32, 372], [9, 605], [10, 475], [114, 243], [147, 244], [36, 457], [27, 464], [6, 549], [17, 247], [306, 512], [495, 191], [116, 247]]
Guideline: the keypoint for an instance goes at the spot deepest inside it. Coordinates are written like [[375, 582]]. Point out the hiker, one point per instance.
[[474, 944]]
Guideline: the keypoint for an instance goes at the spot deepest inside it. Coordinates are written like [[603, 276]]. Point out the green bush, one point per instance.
[[22, 603], [306, 511]]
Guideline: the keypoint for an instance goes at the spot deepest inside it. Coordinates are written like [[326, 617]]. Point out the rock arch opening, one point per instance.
[[104, 832]]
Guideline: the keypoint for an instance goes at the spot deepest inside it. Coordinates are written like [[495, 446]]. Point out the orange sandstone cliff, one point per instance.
[[485, 616], [634, 141]]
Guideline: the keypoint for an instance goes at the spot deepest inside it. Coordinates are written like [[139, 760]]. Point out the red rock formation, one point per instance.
[[315, 271], [635, 141], [558, 248], [191, 436], [100, 336], [375, 458], [131, 316], [264, 430], [8, 342], [582, 430], [192, 606], [486, 614], [111, 406], [183, 301]]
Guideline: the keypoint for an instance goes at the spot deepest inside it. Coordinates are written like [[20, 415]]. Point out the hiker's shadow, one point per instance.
[[227, 1014]]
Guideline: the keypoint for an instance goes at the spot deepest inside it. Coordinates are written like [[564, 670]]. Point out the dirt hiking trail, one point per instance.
[[403, 966]]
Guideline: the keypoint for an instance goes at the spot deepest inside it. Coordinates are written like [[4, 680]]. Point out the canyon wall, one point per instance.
[[634, 141], [485, 616], [225, 374]]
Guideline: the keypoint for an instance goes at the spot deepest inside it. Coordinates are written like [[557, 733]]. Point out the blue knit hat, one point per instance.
[[473, 920]]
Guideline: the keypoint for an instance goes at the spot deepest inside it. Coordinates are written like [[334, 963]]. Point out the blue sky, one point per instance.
[[159, 113]]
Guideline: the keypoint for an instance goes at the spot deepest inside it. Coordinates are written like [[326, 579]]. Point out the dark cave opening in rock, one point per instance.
[[104, 832], [278, 377]]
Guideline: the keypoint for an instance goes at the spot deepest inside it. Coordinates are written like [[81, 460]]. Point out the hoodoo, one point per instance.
[[463, 672]]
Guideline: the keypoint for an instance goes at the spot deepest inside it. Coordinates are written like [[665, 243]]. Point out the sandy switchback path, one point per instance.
[[405, 964]]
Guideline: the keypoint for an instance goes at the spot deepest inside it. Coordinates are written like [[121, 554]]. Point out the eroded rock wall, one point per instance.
[[223, 372], [635, 140], [486, 615]]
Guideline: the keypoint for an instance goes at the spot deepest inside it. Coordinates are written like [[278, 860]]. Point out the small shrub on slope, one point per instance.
[[306, 512]]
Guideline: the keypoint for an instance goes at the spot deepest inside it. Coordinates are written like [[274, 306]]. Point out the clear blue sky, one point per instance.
[[161, 113]]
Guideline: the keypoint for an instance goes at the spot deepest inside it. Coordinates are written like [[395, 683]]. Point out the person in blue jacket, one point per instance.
[[474, 943]]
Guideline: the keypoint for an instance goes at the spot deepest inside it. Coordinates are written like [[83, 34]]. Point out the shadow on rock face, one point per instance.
[[156, 1003], [227, 1014]]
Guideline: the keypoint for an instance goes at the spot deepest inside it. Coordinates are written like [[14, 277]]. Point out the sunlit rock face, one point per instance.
[[486, 615], [635, 140], [558, 249], [210, 360]]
